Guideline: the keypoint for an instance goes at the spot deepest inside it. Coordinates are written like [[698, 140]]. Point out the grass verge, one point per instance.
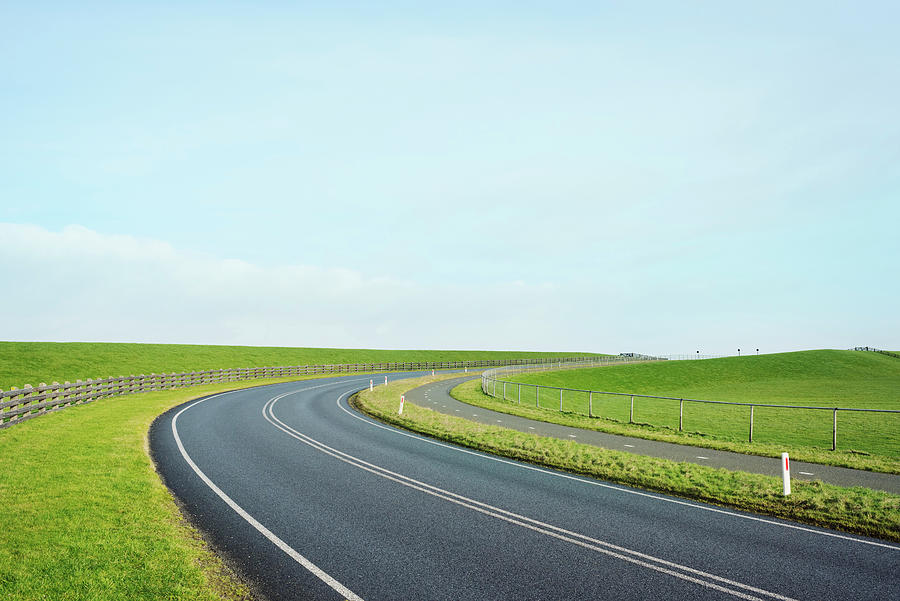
[[470, 392], [857, 510], [87, 515]]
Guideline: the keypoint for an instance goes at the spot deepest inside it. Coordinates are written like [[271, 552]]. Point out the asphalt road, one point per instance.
[[311, 500], [437, 397]]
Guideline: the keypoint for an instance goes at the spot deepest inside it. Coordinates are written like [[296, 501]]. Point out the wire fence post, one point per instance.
[[681, 416], [591, 403], [537, 397], [631, 415], [519, 393], [834, 432], [560, 400], [504, 391], [751, 423]]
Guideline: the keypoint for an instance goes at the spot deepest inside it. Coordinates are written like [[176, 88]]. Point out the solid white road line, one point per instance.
[[635, 557], [629, 491], [290, 551]]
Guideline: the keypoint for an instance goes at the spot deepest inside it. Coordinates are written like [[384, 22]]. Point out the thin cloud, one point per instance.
[[79, 284]]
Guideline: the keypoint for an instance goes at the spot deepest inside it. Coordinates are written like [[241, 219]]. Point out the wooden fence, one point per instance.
[[21, 404]]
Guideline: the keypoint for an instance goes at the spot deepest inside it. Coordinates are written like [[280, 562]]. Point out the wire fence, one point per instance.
[[21, 404], [864, 430]]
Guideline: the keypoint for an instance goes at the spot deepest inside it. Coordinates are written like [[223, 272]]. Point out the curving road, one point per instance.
[[311, 500]]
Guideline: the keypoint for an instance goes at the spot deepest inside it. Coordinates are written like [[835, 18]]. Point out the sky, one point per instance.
[[643, 177]]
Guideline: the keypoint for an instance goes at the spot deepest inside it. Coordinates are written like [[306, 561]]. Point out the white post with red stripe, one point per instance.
[[371, 385], [432, 372], [786, 473], [401, 405], [385, 380]]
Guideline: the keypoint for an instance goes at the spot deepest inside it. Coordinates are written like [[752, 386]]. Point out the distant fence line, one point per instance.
[[492, 378], [876, 350], [29, 402]]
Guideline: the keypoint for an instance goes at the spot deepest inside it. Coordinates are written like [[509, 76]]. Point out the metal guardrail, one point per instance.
[[21, 404], [490, 380]]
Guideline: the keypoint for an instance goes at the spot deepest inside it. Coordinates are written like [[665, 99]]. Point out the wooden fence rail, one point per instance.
[[21, 404]]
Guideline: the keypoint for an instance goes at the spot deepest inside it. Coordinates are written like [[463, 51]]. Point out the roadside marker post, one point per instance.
[[385, 380], [786, 473], [371, 385], [401, 405], [432, 372]]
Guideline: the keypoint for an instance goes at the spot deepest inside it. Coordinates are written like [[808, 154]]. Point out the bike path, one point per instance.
[[436, 396]]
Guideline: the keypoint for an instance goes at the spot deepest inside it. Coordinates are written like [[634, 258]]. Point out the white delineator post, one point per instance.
[[432, 372], [401, 405], [371, 385], [786, 473], [385, 380]]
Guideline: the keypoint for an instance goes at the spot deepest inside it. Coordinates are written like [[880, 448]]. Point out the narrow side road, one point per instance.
[[437, 398]]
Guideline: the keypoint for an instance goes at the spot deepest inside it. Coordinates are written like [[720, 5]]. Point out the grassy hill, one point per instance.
[[824, 378], [827, 378], [34, 362]]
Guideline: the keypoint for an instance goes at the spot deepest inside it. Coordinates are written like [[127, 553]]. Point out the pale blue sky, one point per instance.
[[658, 177]]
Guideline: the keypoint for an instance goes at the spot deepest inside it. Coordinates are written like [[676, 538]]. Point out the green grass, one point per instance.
[[35, 362], [816, 378], [87, 516], [858, 510], [470, 392]]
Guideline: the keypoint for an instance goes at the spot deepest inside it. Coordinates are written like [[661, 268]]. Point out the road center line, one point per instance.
[[635, 557]]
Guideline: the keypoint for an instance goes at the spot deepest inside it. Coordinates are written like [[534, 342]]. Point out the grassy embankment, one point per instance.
[[35, 362], [86, 514], [817, 378], [858, 510]]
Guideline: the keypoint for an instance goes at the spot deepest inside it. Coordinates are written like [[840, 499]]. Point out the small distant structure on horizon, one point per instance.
[[626, 354], [867, 348]]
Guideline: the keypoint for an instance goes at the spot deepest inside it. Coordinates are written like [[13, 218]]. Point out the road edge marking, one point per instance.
[[271, 536]]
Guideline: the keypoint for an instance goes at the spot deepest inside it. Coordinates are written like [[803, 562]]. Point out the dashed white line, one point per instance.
[[620, 489], [806, 473], [702, 457], [630, 446]]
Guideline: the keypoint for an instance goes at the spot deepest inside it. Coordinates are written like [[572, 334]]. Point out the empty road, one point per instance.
[[311, 500]]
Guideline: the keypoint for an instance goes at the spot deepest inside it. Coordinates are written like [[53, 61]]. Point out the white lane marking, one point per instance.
[[290, 551], [531, 427], [630, 446], [702, 457], [636, 557], [806, 473], [525, 466]]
